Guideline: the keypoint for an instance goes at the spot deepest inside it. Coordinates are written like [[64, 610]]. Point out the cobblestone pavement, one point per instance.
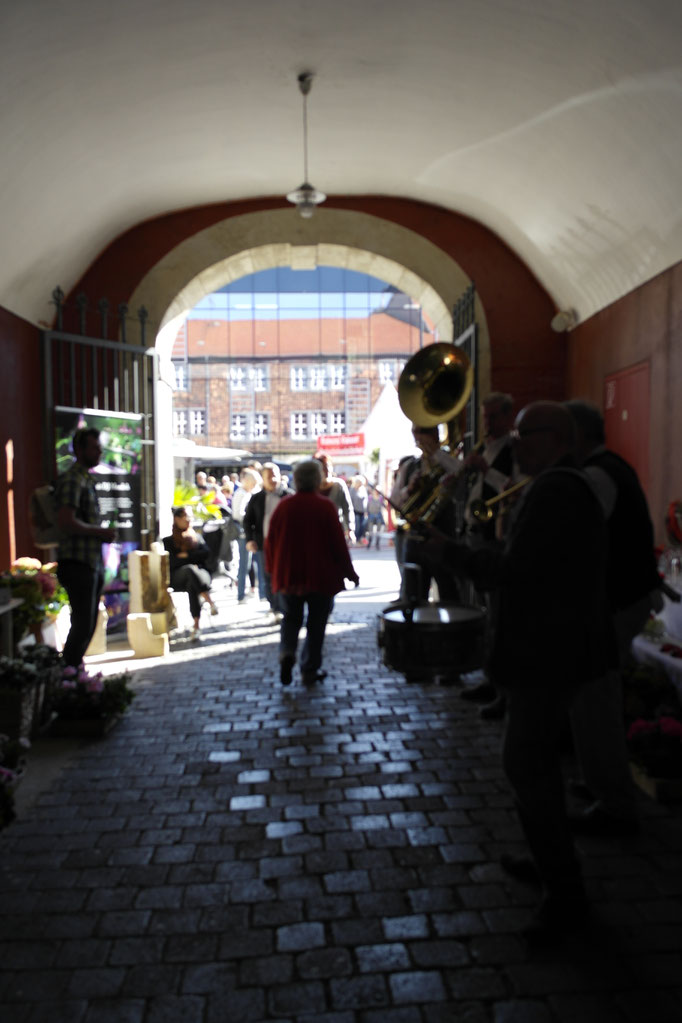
[[235, 851]]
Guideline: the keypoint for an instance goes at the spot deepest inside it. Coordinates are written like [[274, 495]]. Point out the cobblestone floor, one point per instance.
[[234, 851]]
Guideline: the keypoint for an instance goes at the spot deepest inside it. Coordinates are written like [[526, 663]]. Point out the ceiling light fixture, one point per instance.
[[305, 197]]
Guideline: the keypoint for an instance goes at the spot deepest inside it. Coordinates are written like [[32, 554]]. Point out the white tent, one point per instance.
[[388, 429]]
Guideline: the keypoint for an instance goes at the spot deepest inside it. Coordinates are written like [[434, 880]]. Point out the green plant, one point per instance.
[[203, 508], [18, 673], [648, 692], [79, 695]]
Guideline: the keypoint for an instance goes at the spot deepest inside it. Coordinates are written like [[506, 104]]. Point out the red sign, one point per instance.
[[341, 444]]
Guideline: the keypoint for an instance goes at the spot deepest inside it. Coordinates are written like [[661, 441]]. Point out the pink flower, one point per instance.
[[641, 727], [47, 583], [27, 564], [95, 685], [671, 726]]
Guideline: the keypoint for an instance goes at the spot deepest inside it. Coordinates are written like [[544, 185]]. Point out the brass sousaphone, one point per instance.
[[433, 388]]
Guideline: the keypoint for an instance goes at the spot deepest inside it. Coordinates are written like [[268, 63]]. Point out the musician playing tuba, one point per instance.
[[412, 475]]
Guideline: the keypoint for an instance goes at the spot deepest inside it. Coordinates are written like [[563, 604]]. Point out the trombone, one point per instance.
[[482, 511]]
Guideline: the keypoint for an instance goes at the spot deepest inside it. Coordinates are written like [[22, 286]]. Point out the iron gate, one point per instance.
[[84, 372]]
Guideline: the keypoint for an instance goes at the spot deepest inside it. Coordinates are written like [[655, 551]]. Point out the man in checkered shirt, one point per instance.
[[80, 568]]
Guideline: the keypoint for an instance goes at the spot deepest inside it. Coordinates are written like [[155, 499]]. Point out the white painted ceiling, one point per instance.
[[556, 123]]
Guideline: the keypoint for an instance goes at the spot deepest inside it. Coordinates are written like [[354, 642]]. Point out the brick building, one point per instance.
[[275, 381]]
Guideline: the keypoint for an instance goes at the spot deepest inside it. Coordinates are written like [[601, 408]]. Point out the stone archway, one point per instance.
[[250, 242], [247, 243]]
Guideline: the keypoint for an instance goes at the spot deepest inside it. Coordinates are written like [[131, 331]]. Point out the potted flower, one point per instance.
[[42, 597], [655, 748], [89, 705], [12, 767]]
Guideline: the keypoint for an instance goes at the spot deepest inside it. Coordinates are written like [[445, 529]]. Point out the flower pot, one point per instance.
[[663, 790], [83, 728]]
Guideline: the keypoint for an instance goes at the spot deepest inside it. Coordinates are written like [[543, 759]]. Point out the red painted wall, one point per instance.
[[644, 326], [21, 422]]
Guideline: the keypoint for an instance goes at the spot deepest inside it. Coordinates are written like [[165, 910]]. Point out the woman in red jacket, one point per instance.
[[307, 557]]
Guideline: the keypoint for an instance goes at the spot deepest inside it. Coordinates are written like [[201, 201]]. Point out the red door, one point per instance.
[[626, 417]]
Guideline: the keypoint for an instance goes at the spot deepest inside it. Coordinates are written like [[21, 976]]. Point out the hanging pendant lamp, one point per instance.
[[305, 197]]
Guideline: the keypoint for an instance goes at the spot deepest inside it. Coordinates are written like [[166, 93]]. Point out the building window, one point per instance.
[[337, 376], [318, 423], [261, 426], [197, 422], [180, 376], [337, 422], [386, 372], [299, 425], [318, 378], [238, 427], [261, 379], [297, 378], [189, 422], [237, 378]]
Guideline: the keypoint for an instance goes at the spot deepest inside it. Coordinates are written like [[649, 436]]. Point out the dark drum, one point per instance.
[[432, 640]]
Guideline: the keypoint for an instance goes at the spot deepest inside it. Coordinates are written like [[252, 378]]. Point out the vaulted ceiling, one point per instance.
[[556, 124]]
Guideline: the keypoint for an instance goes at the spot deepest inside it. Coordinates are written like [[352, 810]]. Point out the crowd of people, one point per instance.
[[563, 604]]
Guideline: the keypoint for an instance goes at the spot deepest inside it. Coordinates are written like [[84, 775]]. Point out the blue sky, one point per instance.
[[283, 293]]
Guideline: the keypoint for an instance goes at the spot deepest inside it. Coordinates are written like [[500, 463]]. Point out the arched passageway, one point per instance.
[[264, 240]]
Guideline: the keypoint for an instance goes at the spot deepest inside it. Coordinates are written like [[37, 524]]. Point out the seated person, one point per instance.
[[188, 556]]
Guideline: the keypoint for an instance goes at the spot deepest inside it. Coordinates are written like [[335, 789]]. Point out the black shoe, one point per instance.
[[521, 868], [481, 693], [311, 677], [596, 821], [286, 668], [494, 711]]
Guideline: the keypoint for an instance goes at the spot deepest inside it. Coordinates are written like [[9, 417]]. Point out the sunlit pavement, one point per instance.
[[236, 851]]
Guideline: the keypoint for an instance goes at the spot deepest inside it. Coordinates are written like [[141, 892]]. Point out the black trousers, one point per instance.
[[83, 585], [536, 720], [448, 587], [192, 580]]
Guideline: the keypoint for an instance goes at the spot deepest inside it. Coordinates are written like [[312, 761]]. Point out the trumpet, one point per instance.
[[482, 511]]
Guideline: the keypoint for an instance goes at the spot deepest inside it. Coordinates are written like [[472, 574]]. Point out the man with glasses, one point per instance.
[[551, 635]]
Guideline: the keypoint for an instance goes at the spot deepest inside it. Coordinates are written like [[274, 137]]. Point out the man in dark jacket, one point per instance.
[[80, 569], [551, 635], [256, 522], [633, 589]]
